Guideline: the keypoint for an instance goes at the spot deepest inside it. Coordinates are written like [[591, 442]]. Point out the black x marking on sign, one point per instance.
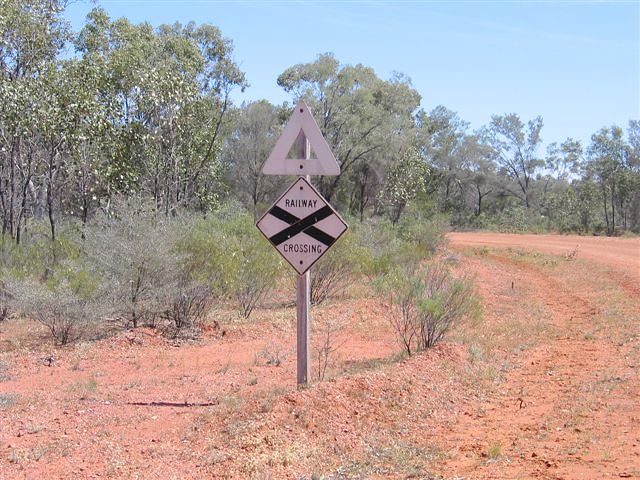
[[305, 225]]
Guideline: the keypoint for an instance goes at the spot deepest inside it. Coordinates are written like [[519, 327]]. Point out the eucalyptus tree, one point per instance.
[[555, 199], [585, 204], [633, 134], [32, 34], [405, 181], [359, 114], [479, 172], [19, 154], [256, 128], [564, 160], [608, 164], [89, 107], [366, 182], [442, 135], [173, 86], [68, 122], [515, 147], [633, 140]]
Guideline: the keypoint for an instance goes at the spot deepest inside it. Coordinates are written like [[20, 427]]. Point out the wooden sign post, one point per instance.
[[303, 295], [301, 224]]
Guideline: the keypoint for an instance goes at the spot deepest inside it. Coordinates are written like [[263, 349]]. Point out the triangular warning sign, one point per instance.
[[279, 164]]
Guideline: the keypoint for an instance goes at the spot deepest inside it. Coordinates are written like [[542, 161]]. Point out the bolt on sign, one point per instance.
[[301, 225]]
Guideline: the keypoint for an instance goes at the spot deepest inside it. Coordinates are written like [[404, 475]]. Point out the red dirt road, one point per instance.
[[570, 406], [622, 253]]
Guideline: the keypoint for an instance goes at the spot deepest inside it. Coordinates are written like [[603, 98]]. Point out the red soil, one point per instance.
[[544, 385], [623, 254]]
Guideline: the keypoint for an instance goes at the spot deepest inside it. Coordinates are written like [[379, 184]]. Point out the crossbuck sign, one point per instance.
[[301, 225]]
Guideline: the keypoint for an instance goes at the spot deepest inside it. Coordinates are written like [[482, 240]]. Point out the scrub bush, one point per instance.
[[337, 268], [426, 302], [39, 259], [187, 310], [63, 310], [134, 249], [227, 253], [404, 245]]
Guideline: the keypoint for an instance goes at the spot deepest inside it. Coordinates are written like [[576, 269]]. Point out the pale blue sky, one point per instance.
[[575, 63]]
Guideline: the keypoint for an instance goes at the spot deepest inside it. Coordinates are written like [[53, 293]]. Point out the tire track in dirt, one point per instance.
[[564, 412], [619, 253], [564, 302], [629, 285], [620, 256]]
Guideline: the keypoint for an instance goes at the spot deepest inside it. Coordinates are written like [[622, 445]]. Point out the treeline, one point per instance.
[[119, 109], [393, 154]]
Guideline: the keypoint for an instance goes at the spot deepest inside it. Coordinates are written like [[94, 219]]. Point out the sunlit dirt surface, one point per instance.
[[620, 254], [544, 384]]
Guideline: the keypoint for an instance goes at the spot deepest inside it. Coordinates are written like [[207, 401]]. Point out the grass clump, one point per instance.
[[83, 388], [494, 451]]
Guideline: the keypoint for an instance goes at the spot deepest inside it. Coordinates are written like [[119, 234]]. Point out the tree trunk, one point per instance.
[[606, 211], [12, 184], [23, 206], [445, 204], [613, 211], [50, 195]]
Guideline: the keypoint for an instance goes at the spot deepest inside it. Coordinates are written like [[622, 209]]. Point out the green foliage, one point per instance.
[[366, 121], [609, 166], [494, 451], [515, 152], [256, 127], [144, 114], [426, 302], [227, 253], [513, 219], [452, 152], [339, 267], [41, 260], [172, 86], [385, 248], [564, 159], [144, 110], [127, 269], [33, 33], [51, 282], [422, 227], [136, 110], [405, 181], [404, 245]]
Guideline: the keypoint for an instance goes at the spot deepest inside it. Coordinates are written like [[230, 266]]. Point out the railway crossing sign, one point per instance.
[[301, 121], [301, 225]]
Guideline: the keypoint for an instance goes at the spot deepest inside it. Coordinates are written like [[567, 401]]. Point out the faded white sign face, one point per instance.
[[301, 120], [301, 225]]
